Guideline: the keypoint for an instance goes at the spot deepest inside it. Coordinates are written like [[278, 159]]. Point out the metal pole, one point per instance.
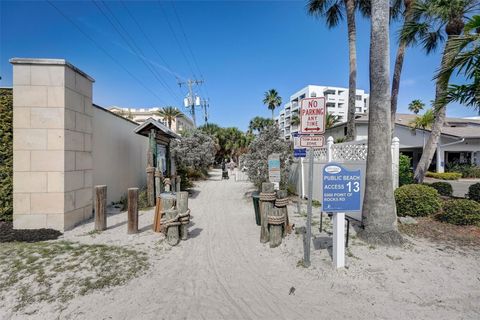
[[306, 257]]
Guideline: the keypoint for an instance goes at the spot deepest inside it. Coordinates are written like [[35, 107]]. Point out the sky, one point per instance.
[[239, 49]]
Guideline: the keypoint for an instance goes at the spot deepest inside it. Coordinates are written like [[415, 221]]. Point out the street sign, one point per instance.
[[300, 153], [312, 115], [341, 189], [274, 167], [312, 141]]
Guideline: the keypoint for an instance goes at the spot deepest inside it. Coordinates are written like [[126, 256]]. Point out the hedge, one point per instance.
[[443, 188], [6, 154], [444, 175], [416, 200], [405, 170], [460, 212], [474, 192]]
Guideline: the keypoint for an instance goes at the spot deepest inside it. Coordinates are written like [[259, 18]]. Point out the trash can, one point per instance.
[[256, 206]]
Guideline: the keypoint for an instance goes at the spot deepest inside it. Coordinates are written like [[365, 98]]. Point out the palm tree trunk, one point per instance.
[[273, 115], [436, 131], [397, 72], [352, 79], [379, 215]]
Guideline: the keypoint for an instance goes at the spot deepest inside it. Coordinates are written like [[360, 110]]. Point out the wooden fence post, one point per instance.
[[132, 210], [178, 182], [164, 202], [172, 230], [182, 207], [276, 226], [158, 183], [100, 208], [267, 197], [150, 186], [281, 203]]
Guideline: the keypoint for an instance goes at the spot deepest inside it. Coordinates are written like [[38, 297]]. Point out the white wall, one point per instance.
[[119, 155]]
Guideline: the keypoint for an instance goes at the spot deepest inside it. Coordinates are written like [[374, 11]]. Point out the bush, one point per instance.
[[6, 155], [416, 200], [467, 170], [443, 188], [444, 175], [474, 192], [405, 171], [460, 212]]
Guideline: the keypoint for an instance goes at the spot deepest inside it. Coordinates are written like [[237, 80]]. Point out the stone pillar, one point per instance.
[[52, 144]]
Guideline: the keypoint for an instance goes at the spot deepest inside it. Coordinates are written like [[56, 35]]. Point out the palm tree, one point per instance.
[[415, 106], [259, 123], [272, 100], [295, 121], [334, 11], [169, 114], [464, 51], [379, 214], [331, 120], [400, 56], [424, 121], [431, 21]]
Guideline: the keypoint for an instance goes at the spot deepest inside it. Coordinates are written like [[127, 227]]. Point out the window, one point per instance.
[[358, 97], [358, 109]]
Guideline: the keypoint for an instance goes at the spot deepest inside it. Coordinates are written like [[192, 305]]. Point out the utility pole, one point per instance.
[[190, 102], [205, 106]]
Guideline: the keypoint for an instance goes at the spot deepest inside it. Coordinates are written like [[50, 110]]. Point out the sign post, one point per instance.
[[341, 193], [312, 125]]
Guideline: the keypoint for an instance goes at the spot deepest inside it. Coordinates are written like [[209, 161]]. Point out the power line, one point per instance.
[[133, 46], [103, 49]]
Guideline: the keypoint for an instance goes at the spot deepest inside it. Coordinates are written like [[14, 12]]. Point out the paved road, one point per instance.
[[460, 187]]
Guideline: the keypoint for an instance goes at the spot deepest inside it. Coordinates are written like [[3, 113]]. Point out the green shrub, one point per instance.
[[443, 188], [467, 170], [460, 212], [405, 171], [474, 192], [444, 175], [6, 155], [416, 200]]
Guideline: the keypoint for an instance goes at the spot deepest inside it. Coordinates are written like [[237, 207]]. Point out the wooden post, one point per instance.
[[100, 208], [164, 202], [276, 230], [158, 183], [151, 186], [283, 194], [172, 231], [132, 210], [182, 207], [168, 184], [265, 206], [178, 182]]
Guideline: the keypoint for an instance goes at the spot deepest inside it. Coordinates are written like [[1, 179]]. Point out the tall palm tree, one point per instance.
[[465, 53], [379, 214], [334, 11], [415, 106], [431, 21], [331, 120], [272, 100], [424, 121], [259, 123], [169, 114]]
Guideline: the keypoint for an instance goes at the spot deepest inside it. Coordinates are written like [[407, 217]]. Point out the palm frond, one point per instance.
[[334, 14]]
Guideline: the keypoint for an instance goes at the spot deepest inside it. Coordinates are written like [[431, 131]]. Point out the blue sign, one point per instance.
[[300, 153], [341, 189]]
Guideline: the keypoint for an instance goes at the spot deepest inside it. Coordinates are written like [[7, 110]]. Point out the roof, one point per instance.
[[61, 62], [162, 130], [456, 127]]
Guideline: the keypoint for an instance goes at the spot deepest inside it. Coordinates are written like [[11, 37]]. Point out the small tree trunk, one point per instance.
[[396, 82], [100, 208], [265, 207], [182, 207], [151, 186], [352, 79], [178, 182], [276, 230], [132, 210], [172, 231]]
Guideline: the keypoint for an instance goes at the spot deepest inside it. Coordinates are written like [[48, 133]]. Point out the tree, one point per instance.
[[196, 150], [272, 100], [256, 160], [400, 56], [6, 154], [295, 121], [331, 120], [432, 20], [169, 114], [259, 123], [415, 106], [379, 214], [464, 51], [334, 11], [424, 121]]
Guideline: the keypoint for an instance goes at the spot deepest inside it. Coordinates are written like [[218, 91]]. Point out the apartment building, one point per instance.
[[337, 104], [140, 115]]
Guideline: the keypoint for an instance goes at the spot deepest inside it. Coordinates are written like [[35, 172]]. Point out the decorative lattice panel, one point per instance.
[[349, 152], [320, 154]]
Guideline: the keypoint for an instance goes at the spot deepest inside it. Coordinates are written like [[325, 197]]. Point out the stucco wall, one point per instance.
[[119, 155]]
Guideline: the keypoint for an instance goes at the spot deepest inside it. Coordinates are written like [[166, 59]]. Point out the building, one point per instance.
[[337, 104], [140, 115], [459, 141]]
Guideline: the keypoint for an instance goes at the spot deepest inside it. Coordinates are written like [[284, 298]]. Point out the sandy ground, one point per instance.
[[223, 272]]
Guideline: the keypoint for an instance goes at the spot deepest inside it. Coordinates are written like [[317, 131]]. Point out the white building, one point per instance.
[[140, 115], [336, 99], [459, 141]]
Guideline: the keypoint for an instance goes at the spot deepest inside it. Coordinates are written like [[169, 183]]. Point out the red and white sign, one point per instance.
[[313, 112], [312, 141]]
